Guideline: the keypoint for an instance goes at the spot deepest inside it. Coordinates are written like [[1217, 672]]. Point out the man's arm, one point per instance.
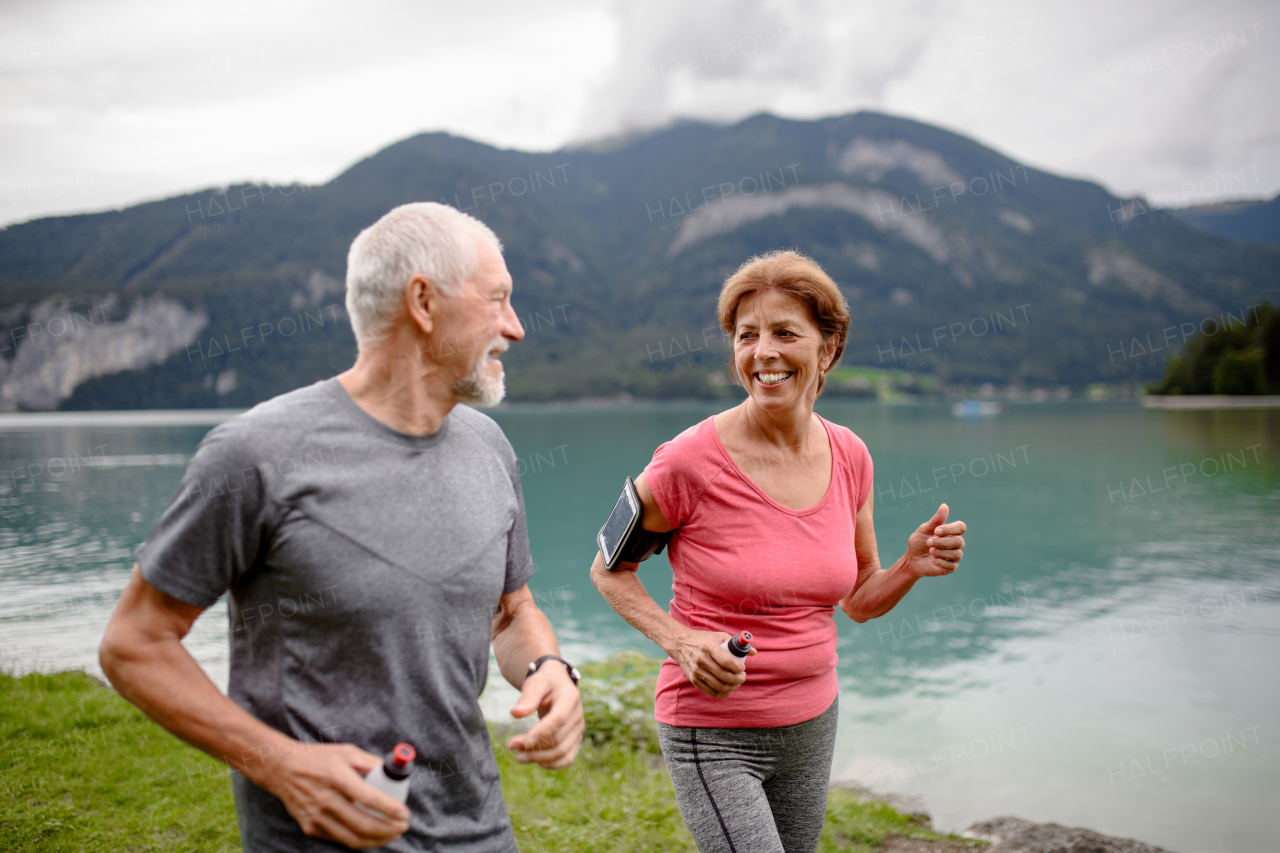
[[143, 656], [934, 549], [521, 635]]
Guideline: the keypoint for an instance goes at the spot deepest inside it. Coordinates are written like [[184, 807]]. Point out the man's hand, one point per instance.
[[553, 742], [708, 667], [320, 784], [936, 547]]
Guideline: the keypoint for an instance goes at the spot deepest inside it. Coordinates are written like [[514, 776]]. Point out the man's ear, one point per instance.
[[422, 302]]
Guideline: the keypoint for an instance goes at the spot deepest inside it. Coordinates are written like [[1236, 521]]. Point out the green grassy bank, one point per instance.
[[83, 770]]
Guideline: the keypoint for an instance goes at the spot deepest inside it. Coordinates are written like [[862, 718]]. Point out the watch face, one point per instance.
[[615, 530]]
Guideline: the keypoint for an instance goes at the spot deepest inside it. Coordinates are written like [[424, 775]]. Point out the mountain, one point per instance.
[[957, 261], [1251, 221]]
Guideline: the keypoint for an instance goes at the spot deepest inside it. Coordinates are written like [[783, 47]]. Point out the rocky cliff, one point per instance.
[[61, 342]]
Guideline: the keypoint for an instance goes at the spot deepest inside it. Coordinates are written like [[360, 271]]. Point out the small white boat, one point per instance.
[[977, 409]]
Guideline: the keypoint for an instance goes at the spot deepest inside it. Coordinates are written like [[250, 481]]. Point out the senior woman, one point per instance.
[[771, 512]]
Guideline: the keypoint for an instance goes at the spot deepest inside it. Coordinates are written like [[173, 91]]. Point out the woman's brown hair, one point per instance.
[[795, 273]]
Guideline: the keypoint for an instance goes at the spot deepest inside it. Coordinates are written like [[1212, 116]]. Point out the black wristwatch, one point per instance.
[[568, 667]]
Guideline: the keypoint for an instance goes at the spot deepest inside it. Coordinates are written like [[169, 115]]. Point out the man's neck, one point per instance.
[[394, 385]]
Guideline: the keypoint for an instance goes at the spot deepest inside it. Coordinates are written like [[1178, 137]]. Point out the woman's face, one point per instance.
[[778, 350]]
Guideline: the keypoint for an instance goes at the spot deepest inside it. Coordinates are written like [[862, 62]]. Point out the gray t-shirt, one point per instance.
[[364, 567]]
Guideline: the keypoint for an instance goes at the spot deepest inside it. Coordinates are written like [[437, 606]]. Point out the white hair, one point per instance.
[[423, 237]]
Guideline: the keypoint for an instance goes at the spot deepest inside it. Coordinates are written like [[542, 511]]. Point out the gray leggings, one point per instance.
[[753, 790]]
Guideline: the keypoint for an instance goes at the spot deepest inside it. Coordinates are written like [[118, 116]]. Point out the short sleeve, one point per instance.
[[864, 470], [209, 537], [676, 478], [519, 556], [519, 566]]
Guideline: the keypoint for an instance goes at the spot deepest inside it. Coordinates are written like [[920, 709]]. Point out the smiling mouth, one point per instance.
[[775, 378]]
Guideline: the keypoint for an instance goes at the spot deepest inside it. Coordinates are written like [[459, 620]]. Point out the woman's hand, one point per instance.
[[936, 547], [710, 668]]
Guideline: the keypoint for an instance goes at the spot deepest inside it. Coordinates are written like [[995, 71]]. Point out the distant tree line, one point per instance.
[[1238, 360]]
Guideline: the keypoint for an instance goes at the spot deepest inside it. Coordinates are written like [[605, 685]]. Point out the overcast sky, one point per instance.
[[104, 104]]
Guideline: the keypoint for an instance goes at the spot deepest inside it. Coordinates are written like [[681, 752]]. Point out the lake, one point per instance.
[[1106, 655]]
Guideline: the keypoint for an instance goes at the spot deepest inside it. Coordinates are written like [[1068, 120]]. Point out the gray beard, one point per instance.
[[479, 389]]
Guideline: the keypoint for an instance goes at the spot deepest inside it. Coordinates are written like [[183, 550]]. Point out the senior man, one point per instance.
[[371, 534]]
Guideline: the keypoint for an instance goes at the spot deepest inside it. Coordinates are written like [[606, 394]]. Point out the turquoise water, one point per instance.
[[1106, 655]]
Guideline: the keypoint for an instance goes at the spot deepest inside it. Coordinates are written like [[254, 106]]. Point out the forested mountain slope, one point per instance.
[[956, 261]]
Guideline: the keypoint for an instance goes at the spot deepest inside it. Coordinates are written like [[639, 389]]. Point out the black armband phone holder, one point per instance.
[[622, 539]]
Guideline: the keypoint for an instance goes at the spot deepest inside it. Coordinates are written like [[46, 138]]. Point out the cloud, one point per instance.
[[108, 105], [1140, 96]]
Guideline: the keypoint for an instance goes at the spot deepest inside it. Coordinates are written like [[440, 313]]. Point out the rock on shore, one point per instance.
[[1015, 835], [1006, 834]]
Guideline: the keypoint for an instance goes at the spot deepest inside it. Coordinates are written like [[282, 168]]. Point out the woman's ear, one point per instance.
[[828, 353]]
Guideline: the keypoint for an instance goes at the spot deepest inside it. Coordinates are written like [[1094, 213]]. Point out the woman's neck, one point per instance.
[[786, 429]]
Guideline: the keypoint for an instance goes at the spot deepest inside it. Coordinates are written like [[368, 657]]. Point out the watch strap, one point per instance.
[[574, 675]]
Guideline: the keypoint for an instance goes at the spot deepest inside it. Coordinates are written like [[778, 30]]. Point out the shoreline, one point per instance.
[[117, 418], [1208, 402], [70, 738], [17, 421]]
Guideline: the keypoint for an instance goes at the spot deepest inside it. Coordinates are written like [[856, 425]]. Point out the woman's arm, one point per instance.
[[710, 668], [936, 548]]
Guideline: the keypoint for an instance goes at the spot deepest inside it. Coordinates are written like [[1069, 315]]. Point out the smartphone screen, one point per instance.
[[615, 529]]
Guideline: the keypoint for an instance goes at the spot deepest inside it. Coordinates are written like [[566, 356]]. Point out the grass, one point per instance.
[[83, 770], [888, 386]]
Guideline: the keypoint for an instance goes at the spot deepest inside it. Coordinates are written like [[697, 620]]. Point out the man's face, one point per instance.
[[477, 326]]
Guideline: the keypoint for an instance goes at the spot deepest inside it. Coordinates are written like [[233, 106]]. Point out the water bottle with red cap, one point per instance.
[[391, 777], [739, 646]]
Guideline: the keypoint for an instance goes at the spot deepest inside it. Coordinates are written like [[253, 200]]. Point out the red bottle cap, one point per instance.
[[403, 754]]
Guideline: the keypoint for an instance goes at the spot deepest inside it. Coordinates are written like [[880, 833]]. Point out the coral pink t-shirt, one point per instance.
[[743, 561]]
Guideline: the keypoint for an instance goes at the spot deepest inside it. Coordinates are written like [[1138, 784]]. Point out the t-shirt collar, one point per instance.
[[371, 424]]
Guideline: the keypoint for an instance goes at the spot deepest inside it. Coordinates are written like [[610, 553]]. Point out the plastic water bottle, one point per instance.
[[392, 776], [738, 646]]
